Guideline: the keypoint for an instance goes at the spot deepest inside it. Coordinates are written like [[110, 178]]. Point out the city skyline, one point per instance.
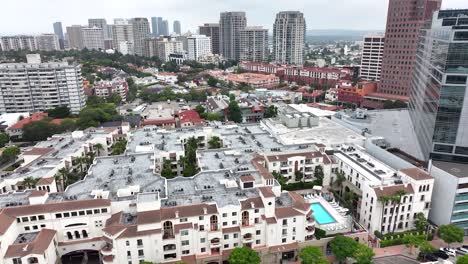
[[367, 14]]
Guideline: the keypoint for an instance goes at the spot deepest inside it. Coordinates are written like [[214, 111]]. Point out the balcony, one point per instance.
[[215, 243], [108, 259], [168, 234], [309, 237], [310, 229], [214, 227], [107, 249], [169, 247], [247, 237]]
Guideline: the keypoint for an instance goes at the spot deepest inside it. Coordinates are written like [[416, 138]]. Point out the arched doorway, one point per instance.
[[82, 256]]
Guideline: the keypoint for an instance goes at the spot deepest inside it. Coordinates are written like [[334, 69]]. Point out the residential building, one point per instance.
[[165, 28], [254, 80], [252, 109], [289, 37], [198, 47], [100, 23], [230, 24], [16, 130], [371, 58], [253, 44], [401, 42], [161, 47], [141, 31], [104, 88], [176, 27], [389, 198], [189, 118], [93, 38], [314, 76], [439, 98], [18, 42], [75, 37], [58, 30], [122, 36], [156, 26], [34, 87], [355, 94], [47, 42], [211, 30], [261, 67]]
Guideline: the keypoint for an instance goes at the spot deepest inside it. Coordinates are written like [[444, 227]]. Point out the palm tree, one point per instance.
[[30, 182], [62, 177], [383, 200], [79, 161], [396, 200], [98, 147]]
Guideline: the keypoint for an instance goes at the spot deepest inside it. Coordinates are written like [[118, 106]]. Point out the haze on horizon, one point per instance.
[[37, 16]]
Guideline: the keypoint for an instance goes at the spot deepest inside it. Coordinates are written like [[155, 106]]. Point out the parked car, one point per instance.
[[461, 251], [449, 251], [465, 247], [429, 257], [441, 254]]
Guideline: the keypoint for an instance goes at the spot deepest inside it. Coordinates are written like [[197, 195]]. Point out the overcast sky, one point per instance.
[[37, 16]]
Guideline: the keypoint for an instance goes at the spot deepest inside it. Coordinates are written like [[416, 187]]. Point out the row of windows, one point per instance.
[[81, 213], [30, 218]]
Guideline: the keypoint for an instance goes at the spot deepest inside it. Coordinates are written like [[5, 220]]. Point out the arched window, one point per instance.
[[77, 234], [168, 230], [85, 234], [33, 260], [69, 235], [214, 223], [245, 218]]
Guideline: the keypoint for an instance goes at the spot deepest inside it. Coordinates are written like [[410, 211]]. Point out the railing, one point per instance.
[[460, 207], [461, 197]]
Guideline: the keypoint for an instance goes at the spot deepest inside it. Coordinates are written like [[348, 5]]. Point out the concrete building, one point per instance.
[[255, 80], [47, 42], [156, 26], [198, 47], [230, 24], [18, 42], [161, 47], [211, 30], [93, 38], [105, 88], [100, 23], [58, 30], [371, 58], [122, 36], [75, 37], [253, 44], [176, 28], [164, 31], [34, 87], [141, 31], [439, 98], [289, 37], [401, 42]]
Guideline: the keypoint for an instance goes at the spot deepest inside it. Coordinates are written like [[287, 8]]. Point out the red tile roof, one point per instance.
[[390, 190], [416, 173], [46, 181], [266, 192], [158, 122], [247, 178], [37, 246], [34, 117], [36, 193], [286, 212], [190, 116], [162, 214], [256, 201]]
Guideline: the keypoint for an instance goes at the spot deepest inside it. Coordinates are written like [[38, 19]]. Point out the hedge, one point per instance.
[[319, 233], [299, 186], [400, 241]]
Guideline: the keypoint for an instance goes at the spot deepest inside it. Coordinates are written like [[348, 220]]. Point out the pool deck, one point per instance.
[[343, 222]]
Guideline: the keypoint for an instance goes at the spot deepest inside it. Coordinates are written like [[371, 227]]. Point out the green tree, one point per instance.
[[189, 162], [318, 174], [420, 222], [312, 255], [166, 171], [234, 112], [59, 112], [363, 254], [30, 182], [462, 260], [200, 109], [383, 201], [343, 247], [411, 242], [451, 233], [396, 200], [212, 81], [212, 116], [61, 178], [427, 248], [10, 154], [244, 255], [39, 130], [114, 98], [67, 125], [271, 111], [214, 143], [119, 147], [98, 147], [4, 139], [298, 175]]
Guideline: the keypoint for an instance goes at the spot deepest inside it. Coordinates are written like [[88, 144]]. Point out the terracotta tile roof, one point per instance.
[[38, 151], [34, 117], [5, 222], [416, 173], [115, 219], [132, 231], [37, 246], [56, 207], [162, 214], [269, 220], [179, 227], [266, 192], [247, 178], [158, 122], [247, 204], [37, 193], [286, 212], [113, 230], [233, 229], [299, 202], [190, 116], [283, 248], [390, 190], [46, 181], [262, 170]]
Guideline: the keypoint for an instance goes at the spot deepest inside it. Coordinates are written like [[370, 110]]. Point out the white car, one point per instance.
[[461, 251], [450, 251]]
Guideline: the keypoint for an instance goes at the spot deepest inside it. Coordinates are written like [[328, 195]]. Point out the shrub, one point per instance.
[[319, 233], [378, 234]]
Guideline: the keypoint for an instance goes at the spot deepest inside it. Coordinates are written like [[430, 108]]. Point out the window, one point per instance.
[[17, 261], [224, 223], [25, 219], [226, 236], [294, 220], [202, 240], [257, 232], [74, 214], [202, 228], [234, 213], [236, 244], [66, 214], [225, 245], [256, 211], [184, 233], [201, 217], [141, 253], [185, 242], [257, 241], [127, 243], [256, 220], [58, 215], [283, 240], [224, 214], [104, 210], [185, 252], [234, 222], [35, 227], [89, 212], [42, 225], [33, 218], [285, 232], [422, 198], [236, 235], [26, 228], [98, 223], [129, 253], [96, 211], [202, 250], [139, 242], [81, 212], [285, 222], [183, 220]]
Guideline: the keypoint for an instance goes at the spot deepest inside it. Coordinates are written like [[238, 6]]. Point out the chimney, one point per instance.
[[205, 211], [252, 204], [177, 214]]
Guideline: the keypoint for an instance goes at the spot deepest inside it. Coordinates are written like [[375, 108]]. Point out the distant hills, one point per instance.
[[330, 35]]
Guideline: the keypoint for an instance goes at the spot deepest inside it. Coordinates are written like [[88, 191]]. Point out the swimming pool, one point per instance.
[[321, 215]]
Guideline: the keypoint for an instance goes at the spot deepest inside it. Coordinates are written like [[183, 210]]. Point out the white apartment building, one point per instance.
[[371, 58], [289, 37], [93, 38], [105, 88], [141, 31], [162, 48], [35, 87], [374, 181], [198, 47], [47, 42], [19, 42], [253, 44], [122, 36]]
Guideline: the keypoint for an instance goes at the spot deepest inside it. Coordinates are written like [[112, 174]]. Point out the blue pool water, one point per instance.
[[321, 215]]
